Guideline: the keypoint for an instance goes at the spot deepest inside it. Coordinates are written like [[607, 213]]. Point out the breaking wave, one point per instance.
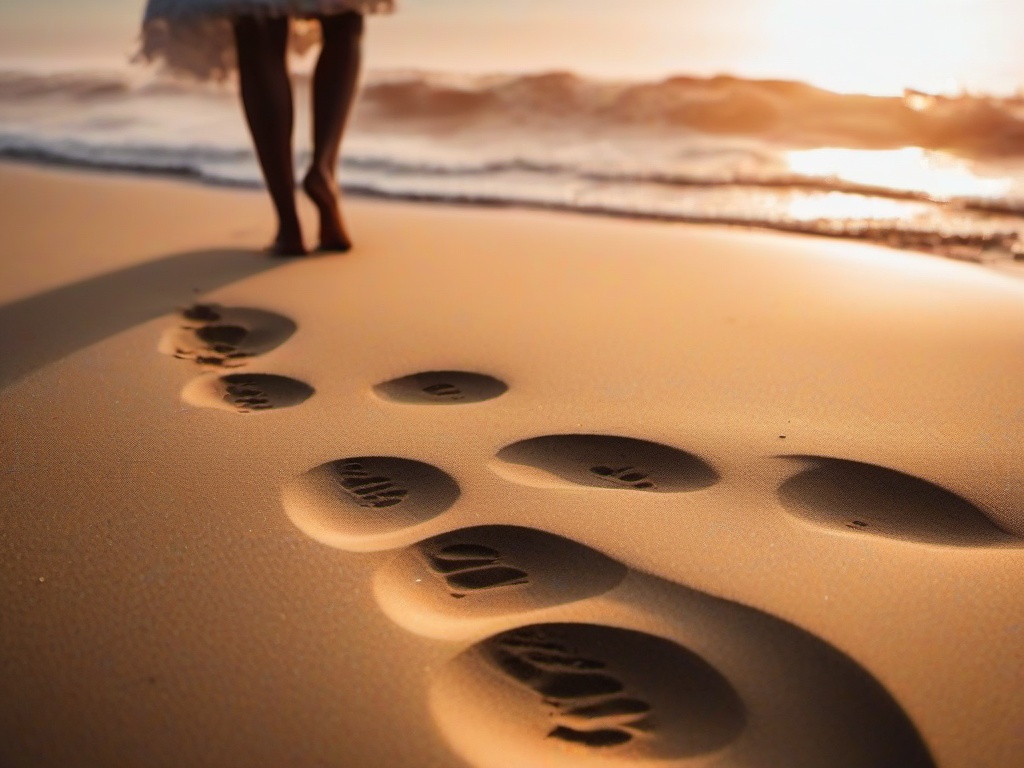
[[788, 112]]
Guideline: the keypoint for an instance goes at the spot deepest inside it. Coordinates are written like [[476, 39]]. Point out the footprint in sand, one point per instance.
[[604, 461], [589, 694], [225, 337], [246, 393], [681, 684], [577, 695], [446, 585], [362, 503], [441, 388], [876, 501], [608, 693]]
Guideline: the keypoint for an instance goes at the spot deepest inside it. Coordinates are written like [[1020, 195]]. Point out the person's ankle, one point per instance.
[[319, 179], [288, 241]]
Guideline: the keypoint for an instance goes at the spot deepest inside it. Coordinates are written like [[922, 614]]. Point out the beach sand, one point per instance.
[[664, 494]]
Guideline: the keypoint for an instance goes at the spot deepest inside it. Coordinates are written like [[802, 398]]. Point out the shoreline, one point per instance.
[[964, 250]]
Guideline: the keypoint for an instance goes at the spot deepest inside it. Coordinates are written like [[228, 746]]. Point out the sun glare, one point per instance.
[[909, 169], [877, 47]]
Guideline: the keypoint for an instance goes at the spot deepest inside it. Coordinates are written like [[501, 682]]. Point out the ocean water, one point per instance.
[[813, 144]]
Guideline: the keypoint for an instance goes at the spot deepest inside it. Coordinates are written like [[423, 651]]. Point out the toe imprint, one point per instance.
[[449, 391], [470, 568], [612, 708], [627, 476], [444, 585], [608, 737], [368, 490]]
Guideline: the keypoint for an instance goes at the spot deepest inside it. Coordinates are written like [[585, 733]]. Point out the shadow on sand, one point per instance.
[[44, 328]]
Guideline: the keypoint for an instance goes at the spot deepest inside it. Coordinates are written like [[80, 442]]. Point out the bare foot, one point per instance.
[[323, 191], [287, 243]]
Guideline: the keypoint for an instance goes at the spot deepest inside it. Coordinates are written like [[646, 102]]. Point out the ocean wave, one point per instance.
[[784, 112], [789, 113]]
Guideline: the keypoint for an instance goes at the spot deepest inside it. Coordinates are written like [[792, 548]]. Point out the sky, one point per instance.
[[872, 46]]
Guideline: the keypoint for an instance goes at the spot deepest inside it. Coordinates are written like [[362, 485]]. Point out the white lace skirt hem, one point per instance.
[[194, 37]]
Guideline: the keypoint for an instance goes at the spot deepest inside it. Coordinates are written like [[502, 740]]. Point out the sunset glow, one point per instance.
[[879, 46], [874, 46]]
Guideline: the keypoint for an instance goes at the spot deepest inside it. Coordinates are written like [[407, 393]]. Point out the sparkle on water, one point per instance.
[[912, 169], [841, 205]]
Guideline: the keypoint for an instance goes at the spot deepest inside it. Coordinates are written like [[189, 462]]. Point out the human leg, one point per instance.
[[334, 88], [267, 100]]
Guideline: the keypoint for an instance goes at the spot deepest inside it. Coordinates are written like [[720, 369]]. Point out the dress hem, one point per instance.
[[195, 40]]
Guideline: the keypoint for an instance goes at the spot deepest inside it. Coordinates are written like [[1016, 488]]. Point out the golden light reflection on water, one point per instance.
[[842, 205], [910, 169]]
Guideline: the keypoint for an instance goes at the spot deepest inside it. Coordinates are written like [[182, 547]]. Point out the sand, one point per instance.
[[499, 489]]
